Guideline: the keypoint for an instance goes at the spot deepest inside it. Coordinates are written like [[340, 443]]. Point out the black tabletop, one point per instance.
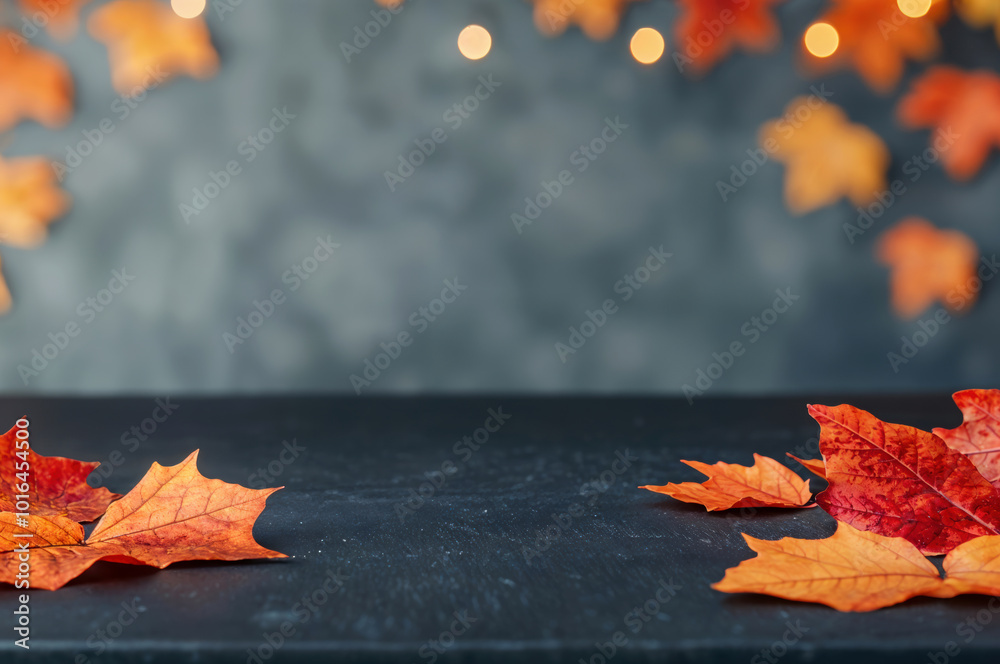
[[468, 530]]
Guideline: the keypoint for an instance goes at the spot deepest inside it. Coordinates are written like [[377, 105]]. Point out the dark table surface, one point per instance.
[[406, 573]]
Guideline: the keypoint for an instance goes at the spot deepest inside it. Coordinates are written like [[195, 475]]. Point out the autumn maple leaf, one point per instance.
[[899, 481], [708, 30], [928, 264], [61, 17], [173, 514], [980, 14], [767, 483], [966, 105], [862, 571], [815, 466], [29, 200], [34, 84], [876, 38], [979, 436], [57, 486], [826, 156], [149, 43], [597, 18]]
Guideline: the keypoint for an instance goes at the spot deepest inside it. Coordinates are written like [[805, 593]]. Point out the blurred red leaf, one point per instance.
[[708, 30]]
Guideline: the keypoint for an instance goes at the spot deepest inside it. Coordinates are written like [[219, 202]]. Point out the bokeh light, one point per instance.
[[188, 8], [647, 45], [822, 39], [474, 42], [914, 8]]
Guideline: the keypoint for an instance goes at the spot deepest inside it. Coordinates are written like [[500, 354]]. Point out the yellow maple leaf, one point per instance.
[[980, 13], [148, 43], [34, 84], [597, 18], [826, 157]]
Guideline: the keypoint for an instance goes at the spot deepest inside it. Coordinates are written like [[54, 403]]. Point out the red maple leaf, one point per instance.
[[899, 481], [708, 30], [979, 436], [964, 107]]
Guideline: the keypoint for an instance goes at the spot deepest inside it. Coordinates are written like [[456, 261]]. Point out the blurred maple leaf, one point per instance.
[[29, 201], [928, 264], [966, 104], [826, 156], [62, 17], [980, 13], [876, 38], [34, 84], [148, 43], [597, 18], [708, 30]]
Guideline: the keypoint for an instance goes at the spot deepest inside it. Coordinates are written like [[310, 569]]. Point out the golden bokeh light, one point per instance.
[[474, 42], [822, 39], [914, 8], [188, 8], [647, 45]]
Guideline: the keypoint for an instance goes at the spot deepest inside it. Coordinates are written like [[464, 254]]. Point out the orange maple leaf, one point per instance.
[[876, 38], [30, 200], [60, 17], [979, 436], [57, 486], [767, 483], [34, 84], [148, 43], [826, 156], [928, 264], [815, 466], [862, 571], [597, 18], [708, 30], [173, 514], [966, 105]]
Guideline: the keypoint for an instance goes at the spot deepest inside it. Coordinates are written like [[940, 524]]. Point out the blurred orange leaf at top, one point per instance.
[[876, 38], [826, 156], [708, 30], [966, 105], [980, 13], [148, 43], [34, 84], [60, 17], [928, 264], [597, 18]]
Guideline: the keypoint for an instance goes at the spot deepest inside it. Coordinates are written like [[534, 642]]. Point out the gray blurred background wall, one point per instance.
[[324, 177]]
